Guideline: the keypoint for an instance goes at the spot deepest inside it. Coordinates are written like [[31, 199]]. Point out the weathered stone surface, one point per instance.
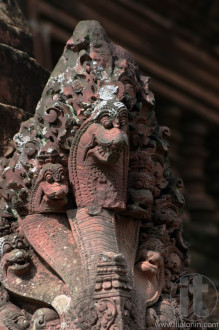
[[16, 38], [14, 30], [11, 118], [91, 214], [20, 75]]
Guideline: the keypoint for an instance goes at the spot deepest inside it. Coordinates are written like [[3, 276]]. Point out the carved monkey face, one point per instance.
[[55, 186], [173, 262], [139, 133], [15, 258]]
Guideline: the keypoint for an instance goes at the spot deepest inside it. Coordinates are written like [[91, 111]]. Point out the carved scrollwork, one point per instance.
[[106, 311]]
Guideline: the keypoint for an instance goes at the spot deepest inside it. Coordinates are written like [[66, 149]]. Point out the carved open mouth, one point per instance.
[[19, 265]]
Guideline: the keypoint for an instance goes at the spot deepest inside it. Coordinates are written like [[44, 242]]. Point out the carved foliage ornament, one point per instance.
[[90, 227]]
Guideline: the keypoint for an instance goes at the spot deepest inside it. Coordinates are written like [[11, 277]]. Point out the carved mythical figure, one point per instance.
[[98, 161], [90, 227], [49, 193]]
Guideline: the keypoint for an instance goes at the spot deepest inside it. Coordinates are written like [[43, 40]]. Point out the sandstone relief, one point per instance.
[[91, 216]]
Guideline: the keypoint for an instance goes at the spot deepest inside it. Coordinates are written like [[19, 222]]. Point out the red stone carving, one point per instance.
[[98, 159], [49, 192], [90, 231]]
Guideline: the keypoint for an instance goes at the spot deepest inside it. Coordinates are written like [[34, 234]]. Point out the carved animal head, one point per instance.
[[140, 131], [149, 258], [141, 183], [50, 190], [173, 259], [149, 272], [98, 161], [165, 211]]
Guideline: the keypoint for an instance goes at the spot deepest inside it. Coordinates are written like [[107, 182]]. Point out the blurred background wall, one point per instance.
[[176, 43]]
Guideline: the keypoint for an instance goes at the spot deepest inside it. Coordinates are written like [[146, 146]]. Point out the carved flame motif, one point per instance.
[[90, 214]]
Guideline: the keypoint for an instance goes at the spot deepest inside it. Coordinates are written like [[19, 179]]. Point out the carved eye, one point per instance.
[[20, 244], [106, 122], [7, 248], [49, 178]]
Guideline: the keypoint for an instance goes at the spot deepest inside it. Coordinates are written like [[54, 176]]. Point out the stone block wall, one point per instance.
[[21, 77]]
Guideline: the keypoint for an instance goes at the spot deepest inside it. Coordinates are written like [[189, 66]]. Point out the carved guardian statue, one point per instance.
[[90, 229]]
